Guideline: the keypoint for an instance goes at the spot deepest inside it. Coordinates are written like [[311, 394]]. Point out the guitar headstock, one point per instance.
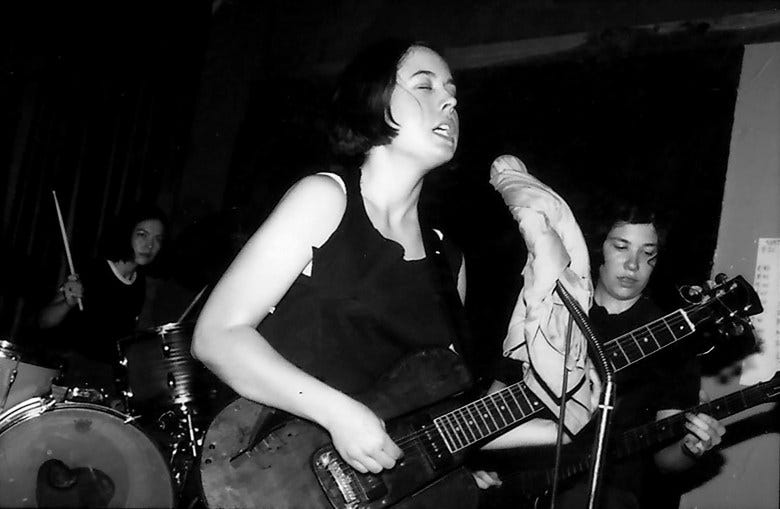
[[726, 304], [771, 387], [735, 296]]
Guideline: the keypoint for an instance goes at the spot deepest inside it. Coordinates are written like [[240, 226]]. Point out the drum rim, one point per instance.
[[160, 331], [29, 355], [40, 405]]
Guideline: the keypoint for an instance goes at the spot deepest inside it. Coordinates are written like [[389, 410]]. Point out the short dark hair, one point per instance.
[[360, 107], [615, 212], [116, 242]]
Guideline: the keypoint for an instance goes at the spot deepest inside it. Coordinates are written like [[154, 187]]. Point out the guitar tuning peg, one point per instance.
[[691, 293]]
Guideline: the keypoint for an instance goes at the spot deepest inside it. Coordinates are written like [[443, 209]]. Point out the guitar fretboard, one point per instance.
[[655, 433], [673, 427], [487, 416], [633, 346]]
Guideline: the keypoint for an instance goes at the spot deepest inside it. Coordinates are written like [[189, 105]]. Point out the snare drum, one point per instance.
[[78, 455], [161, 373], [24, 374]]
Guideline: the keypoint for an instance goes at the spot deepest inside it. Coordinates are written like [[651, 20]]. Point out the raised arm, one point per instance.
[[58, 308]]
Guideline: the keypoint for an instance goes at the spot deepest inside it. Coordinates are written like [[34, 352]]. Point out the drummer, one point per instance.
[[111, 290]]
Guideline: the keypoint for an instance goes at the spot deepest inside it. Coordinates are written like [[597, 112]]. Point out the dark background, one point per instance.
[[213, 109]]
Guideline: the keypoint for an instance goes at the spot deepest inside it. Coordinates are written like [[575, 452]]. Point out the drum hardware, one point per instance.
[[25, 373], [181, 439], [9, 383]]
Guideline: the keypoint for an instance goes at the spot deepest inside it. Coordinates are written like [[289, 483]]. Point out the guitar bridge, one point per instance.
[[345, 487]]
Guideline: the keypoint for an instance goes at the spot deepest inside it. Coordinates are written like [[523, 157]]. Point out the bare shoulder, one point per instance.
[[316, 204], [317, 192]]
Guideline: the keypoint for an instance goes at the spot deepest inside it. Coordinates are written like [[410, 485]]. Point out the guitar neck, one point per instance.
[[634, 346], [661, 432], [487, 417], [665, 430]]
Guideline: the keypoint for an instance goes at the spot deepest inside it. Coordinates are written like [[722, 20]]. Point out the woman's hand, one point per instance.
[[360, 438], [72, 290], [485, 479], [704, 433]]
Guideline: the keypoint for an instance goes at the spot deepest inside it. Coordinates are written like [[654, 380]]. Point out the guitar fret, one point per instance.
[[451, 430], [645, 346], [511, 393], [532, 405], [474, 422], [497, 410], [481, 413], [466, 429], [639, 343], [444, 431], [670, 329], [619, 357], [655, 339], [506, 406], [638, 347], [489, 413], [471, 423], [457, 428]]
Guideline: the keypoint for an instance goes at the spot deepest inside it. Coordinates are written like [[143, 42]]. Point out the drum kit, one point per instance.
[[77, 447]]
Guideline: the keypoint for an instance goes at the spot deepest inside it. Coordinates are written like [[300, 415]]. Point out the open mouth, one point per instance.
[[446, 131]]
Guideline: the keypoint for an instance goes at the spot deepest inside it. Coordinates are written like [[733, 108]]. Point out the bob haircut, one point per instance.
[[116, 245], [360, 108], [618, 213]]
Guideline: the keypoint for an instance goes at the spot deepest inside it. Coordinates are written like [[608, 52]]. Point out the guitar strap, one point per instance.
[[443, 267]]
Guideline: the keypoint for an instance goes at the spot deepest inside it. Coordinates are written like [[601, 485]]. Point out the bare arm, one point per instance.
[[226, 339], [533, 432]]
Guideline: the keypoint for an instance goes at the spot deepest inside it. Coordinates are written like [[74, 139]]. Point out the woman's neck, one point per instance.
[[126, 268], [390, 183], [611, 304]]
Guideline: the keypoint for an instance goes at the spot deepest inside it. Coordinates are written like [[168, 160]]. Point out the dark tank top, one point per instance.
[[364, 307]]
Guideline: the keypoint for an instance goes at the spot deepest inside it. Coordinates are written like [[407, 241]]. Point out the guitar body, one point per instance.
[[255, 456]]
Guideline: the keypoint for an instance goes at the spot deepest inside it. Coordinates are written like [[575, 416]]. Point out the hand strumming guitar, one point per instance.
[[360, 438]]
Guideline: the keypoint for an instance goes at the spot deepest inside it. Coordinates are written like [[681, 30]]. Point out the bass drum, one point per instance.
[[78, 455]]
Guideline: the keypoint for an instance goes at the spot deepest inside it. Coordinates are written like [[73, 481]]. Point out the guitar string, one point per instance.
[[406, 442], [661, 324], [675, 318], [664, 323], [747, 398]]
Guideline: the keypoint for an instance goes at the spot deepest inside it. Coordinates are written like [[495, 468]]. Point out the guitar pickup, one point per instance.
[[344, 486]]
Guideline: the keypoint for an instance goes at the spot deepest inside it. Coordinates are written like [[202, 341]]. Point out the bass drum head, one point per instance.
[[78, 455]]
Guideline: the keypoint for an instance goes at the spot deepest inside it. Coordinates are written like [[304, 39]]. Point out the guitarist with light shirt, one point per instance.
[[656, 387]]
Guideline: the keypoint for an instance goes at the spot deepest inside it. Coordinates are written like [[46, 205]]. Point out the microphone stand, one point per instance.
[[607, 400]]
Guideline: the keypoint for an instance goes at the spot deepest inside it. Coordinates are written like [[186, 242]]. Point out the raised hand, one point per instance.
[[72, 290]]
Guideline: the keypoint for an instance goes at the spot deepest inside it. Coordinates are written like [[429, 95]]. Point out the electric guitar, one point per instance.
[[534, 484], [256, 456]]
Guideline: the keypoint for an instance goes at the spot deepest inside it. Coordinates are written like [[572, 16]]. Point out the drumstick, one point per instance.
[[65, 242], [192, 304]]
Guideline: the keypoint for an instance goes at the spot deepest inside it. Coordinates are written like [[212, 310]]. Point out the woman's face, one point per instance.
[[630, 252], [146, 239], [422, 106]]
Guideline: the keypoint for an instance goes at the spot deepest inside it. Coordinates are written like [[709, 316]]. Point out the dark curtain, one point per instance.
[[98, 108]]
